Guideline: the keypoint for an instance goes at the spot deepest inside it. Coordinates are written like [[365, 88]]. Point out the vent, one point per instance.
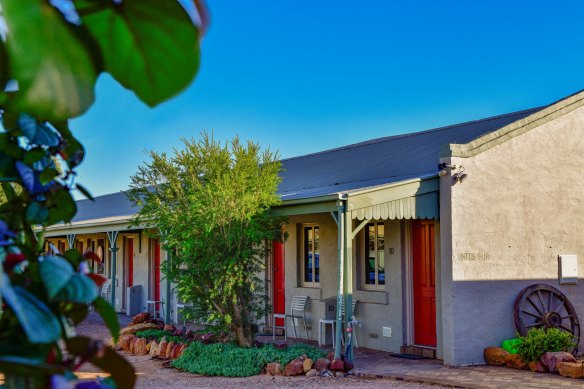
[[373, 336]]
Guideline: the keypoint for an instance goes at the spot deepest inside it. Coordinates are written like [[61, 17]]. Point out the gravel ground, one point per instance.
[[151, 373]]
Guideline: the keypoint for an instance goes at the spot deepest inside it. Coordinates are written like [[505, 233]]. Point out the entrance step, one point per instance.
[[418, 351]]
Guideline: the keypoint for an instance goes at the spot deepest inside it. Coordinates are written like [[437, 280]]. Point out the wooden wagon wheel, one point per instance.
[[543, 306]]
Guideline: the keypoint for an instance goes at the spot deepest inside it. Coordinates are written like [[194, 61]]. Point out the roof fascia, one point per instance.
[[394, 191]]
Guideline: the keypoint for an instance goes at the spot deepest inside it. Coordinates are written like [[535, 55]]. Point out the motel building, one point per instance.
[[437, 232]]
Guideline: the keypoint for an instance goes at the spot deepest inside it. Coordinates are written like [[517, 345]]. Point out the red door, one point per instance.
[[279, 287], [130, 248], [156, 265], [424, 283]]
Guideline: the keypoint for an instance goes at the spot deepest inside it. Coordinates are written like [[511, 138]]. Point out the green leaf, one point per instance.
[[150, 47], [75, 311], [49, 59], [36, 213], [79, 289], [63, 207], [48, 175], [107, 312], [73, 256], [4, 66], [106, 359], [55, 273], [85, 192], [35, 318], [34, 155], [27, 366]]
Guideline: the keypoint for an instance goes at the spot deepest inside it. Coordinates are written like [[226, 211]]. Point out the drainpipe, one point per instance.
[[112, 237], [340, 264]]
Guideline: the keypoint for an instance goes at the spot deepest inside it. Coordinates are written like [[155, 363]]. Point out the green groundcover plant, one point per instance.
[[541, 340], [157, 335], [230, 360]]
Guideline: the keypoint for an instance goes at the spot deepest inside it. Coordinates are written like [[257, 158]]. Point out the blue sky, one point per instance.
[[303, 76]]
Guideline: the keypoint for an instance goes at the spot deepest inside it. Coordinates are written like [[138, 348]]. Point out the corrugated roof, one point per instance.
[[360, 165], [381, 161]]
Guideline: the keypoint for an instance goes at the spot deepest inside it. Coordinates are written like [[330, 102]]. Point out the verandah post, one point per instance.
[[340, 265], [112, 237]]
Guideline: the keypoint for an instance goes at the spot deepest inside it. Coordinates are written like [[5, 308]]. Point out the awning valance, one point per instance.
[[423, 206]]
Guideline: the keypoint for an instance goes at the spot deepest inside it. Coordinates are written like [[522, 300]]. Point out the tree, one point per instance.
[[50, 57], [211, 204]]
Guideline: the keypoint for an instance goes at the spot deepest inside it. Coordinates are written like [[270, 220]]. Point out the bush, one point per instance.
[[540, 340], [159, 334], [229, 360]]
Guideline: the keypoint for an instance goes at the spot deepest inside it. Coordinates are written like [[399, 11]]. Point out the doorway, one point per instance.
[[279, 292], [424, 283]]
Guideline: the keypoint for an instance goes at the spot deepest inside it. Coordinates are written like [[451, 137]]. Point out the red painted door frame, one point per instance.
[[156, 266], [130, 256], [279, 292], [424, 283]]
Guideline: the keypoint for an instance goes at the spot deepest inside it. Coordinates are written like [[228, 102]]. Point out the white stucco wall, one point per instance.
[[503, 228], [375, 309]]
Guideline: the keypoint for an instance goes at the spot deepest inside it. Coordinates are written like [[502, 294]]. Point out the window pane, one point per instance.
[[381, 267], [307, 254], [370, 260], [316, 255], [380, 237]]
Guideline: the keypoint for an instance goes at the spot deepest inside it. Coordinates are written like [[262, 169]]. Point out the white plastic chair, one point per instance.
[[157, 303], [297, 312]]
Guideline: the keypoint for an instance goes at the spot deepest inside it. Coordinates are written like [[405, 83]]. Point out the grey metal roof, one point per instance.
[[381, 161], [360, 165]]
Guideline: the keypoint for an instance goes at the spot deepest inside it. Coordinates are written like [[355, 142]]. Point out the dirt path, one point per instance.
[[151, 373]]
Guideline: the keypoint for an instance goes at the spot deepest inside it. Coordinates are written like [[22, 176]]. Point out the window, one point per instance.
[[311, 260], [374, 264]]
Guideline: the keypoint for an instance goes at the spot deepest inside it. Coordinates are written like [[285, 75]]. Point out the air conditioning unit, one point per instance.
[[134, 300]]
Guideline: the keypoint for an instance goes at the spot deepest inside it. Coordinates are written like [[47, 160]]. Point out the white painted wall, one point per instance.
[[375, 308], [520, 207]]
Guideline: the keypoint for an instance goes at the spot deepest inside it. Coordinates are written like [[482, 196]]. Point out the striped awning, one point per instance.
[[422, 206]]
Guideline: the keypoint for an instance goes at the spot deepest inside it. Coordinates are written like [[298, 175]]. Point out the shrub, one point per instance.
[[229, 360], [540, 340], [159, 334]]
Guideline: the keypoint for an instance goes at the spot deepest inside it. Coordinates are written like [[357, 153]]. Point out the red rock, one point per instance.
[[495, 356], [322, 364], [337, 365], [140, 347], [312, 373], [176, 350], [296, 367], [168, 353], [132, 344], [124, 341], [570, 369], [274, 368], [162, 348], [307, 365], [515, 361], [140, 318], [153, 348], [169, 327], [182, 350], [330, 356], [348, 365], [537, 367], [132, 329], [550, 359]]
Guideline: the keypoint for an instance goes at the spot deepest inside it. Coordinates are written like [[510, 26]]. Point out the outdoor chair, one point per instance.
[[297, 312], [176, 309], [104, 293], [157, 305]]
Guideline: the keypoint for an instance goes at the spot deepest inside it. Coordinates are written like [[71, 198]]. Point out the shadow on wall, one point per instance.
[[483, 313]]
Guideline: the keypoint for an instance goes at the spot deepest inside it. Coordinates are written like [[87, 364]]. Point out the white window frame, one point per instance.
[[377, 285], [304, 283]]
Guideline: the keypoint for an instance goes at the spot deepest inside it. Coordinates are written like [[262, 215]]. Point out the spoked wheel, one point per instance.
[[543, 306]]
